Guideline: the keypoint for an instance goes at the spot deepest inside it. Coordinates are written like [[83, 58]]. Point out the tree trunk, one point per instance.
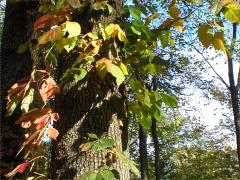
[[157, 162], [234, 91], [90, 106], [17, 29], [156, 150], [143, 153]]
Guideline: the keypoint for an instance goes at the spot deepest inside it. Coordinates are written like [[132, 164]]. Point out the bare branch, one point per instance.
[[205, 59]]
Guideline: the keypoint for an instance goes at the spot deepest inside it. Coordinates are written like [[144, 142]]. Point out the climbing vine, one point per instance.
[[56, 31]]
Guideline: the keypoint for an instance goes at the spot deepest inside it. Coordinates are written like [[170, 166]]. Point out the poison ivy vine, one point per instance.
[[56, 31]]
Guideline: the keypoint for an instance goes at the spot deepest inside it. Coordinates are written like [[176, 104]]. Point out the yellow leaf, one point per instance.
[[110, 31], [179, 25], [151, 18], [112, 67], [205, 35], [73, 28], [218, 42], [50, 35], [165, 24], [174, 12]]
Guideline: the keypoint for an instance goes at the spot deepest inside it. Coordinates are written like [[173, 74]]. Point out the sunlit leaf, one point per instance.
[[218, 42], [53, 133], [111, 67], [205, 35], [48, 89], [179, 25], [93, 136], [47, 19], [51, 35], [124, 68], [134, 30], [174, 12], [232, 12], [73, 28], [27, 100]]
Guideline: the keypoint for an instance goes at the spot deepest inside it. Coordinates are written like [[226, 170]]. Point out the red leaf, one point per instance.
[[48, 89], [53, 133], [22, 167], [42, 121], [47, 19]]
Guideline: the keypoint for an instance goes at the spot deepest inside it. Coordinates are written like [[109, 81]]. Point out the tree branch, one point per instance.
[[205, 59]]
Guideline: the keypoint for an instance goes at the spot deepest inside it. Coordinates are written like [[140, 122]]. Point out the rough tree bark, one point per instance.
[[143, 153], [17, 29], [235, 96], [90, 106]]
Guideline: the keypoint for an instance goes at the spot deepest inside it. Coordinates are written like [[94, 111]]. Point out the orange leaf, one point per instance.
[[55, 116], [48, 89], [32, 115], [47, 19], [53, 133]]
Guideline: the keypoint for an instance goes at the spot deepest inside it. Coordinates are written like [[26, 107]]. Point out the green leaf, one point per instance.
[[146, 121], [127, 161], [164, 37], [147, 100], [107, 174], [79, 77], [103, 144], [93, 136], [170, 101], [11, 106], [135, 13], [205, 35], [89, 175], [134, 30], [74, 73], [22, 48], [232, 12], [99, 5], [27, 100]]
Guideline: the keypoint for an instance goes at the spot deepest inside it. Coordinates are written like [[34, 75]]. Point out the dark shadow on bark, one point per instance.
[[14, 67]]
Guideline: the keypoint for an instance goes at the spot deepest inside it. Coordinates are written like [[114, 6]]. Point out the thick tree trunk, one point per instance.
[[143, 153], [234, 91], [90, 106], [14, 67]]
